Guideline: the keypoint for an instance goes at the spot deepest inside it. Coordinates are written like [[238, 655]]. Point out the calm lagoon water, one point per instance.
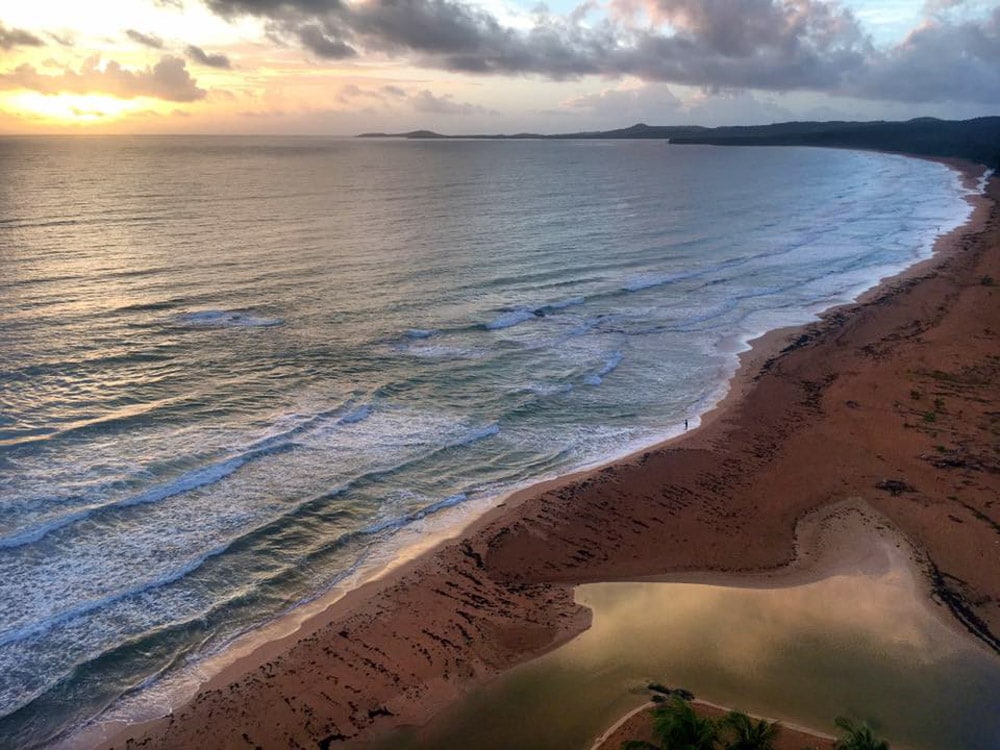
[[864, 644], [237, 372]]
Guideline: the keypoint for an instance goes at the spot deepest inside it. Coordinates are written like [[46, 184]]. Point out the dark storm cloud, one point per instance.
[[204, 58], [765, 44], [436, 26], [776, 45], [168, 80], [323, 41], [270, 8], [10, 38], [147, 40], [941, 62], [742, 28]]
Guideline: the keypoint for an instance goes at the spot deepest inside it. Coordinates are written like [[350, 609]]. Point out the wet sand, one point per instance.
[[891, 401]]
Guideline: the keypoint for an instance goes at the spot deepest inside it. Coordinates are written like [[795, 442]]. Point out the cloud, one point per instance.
[[657, 102], [212, 61], [323, 42], [168, 80], [718, 45], [10, 38], [146, 40], [351, 94], [270, 8], [763, 44], [427, 102], [628, 103], [64, 39], [940, 61]]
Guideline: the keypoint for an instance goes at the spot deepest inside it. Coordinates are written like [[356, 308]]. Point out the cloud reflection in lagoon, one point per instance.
[[868, 644]]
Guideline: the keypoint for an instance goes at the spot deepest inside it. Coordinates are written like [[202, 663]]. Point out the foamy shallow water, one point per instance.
[[237, 369]]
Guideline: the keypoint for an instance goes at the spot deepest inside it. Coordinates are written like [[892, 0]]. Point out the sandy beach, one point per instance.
[[890, 401]]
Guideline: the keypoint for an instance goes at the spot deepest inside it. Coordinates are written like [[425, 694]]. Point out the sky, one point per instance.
[[341, 67]]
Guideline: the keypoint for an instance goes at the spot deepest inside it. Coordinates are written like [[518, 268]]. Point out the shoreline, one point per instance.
[[504, 612]]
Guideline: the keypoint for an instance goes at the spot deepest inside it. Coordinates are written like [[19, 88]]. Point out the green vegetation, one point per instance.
[[678, 727], [749, 734], [857, 736], [975, 140]]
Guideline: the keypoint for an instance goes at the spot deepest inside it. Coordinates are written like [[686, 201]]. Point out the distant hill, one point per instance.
[[976, 140], [411, 134]]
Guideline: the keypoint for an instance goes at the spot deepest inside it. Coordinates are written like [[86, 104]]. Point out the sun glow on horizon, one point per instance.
[[76, 109]]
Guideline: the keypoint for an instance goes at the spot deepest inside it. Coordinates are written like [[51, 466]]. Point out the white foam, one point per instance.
[[419, 333], [649, 281], [984, 180], [510, 319], [609, 366]]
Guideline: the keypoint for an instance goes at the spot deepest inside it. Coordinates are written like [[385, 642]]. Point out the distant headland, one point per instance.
[[976, 140]]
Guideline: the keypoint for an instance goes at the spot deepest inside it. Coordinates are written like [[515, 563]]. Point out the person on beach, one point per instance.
[[685, 424]]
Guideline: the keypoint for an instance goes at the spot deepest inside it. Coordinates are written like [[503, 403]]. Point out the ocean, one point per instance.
[[240, 372]]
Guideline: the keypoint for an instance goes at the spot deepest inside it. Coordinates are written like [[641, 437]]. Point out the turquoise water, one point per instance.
[[235, 369]]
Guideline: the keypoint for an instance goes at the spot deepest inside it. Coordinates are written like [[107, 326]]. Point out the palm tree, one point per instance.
[[749, 734], [680, 728], [857, 736]]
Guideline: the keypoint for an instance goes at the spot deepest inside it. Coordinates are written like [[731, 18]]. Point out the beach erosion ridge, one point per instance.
[[834, 411]]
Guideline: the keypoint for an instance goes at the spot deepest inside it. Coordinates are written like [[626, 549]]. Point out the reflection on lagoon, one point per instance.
[[865, 644]]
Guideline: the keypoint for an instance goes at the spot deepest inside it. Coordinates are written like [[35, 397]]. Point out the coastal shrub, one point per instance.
[[915, 394], [743, 733], [987, 281], [930, 416], [857, 736], [678, 726]]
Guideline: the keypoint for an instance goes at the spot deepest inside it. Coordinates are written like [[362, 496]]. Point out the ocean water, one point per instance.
[[237, 370]]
